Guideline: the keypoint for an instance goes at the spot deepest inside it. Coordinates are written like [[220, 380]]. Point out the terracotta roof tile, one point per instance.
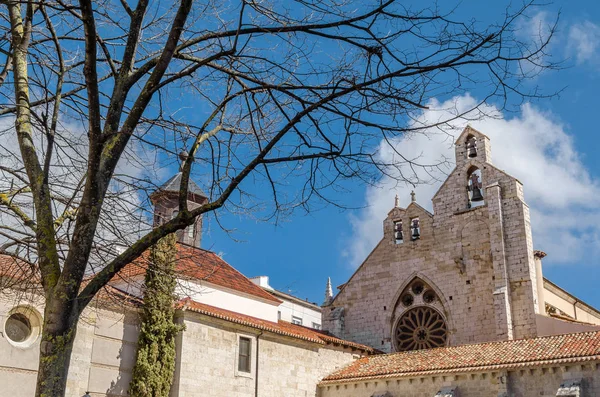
[[15, 271], [198, 264], [280, 327], [582, 346], [192, 263], [19, 274]]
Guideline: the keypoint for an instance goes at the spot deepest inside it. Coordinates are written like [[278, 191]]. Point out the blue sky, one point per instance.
[[549, 145]]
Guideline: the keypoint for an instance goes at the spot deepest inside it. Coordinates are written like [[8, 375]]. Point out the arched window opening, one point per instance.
[[475, 188], [471, 143], [398, 234], [417, 287]]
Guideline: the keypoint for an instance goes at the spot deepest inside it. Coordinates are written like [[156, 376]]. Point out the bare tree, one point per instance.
[[96, 97]]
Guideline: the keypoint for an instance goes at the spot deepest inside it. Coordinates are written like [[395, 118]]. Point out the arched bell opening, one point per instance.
[[398, 232], [475, 188], [471, 145], [415, 229]]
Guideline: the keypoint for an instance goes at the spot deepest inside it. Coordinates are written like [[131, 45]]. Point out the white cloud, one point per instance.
[[532, 146], [536, 28], [584, 41], [532, 33]]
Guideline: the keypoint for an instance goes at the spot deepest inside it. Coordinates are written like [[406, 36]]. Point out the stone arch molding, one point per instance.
[[398, 309]]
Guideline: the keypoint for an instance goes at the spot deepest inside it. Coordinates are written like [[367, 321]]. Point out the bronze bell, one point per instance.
[[415, 228], [398, 231], [472, 148], [475, 188], [416, 235], [477, 196], [399, 235]]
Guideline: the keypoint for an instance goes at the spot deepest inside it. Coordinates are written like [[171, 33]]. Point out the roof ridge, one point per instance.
[[223, 262], [235, 270], [293, 330], [333, 378], [198, 248], [498, 342]]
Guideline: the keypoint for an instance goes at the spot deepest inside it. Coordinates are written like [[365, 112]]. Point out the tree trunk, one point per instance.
[[59, 329]]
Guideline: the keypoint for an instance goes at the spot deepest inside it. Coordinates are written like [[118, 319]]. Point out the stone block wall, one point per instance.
[[101, 361], [542, 381], [18, 365], [105, 346], [286, 366]]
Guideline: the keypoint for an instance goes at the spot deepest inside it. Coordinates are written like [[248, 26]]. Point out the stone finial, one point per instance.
[[413, 197], [183, 156], [397, 202], [328, 293]]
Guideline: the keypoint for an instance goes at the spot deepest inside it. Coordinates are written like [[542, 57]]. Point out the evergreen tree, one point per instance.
[[155, 361]]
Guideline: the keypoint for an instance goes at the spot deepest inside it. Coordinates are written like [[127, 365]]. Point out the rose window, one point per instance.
[[421, 328]]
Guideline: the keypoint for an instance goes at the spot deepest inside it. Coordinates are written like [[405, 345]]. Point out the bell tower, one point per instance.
[[473, 155], [472, 146], [166, 206]]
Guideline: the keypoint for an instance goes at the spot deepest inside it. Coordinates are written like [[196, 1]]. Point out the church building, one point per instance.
[[461, 291]]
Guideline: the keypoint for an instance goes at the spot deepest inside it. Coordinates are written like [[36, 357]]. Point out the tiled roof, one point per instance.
[[584, 346], [15, 271], [192, 264], [280, 327], [198, 264]]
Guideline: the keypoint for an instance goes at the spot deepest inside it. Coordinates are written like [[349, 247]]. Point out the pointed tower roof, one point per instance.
[[469, 131], [328, 293], [173, 185]]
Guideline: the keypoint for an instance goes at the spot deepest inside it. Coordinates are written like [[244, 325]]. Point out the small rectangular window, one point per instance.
[[296, 320], [279, 315], [244, 355], [316, 325]]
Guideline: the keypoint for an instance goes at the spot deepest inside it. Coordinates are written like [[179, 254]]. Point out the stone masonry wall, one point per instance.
[[286, 367], [102, 357], [18, 365], [543, 381], [105, 346]]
